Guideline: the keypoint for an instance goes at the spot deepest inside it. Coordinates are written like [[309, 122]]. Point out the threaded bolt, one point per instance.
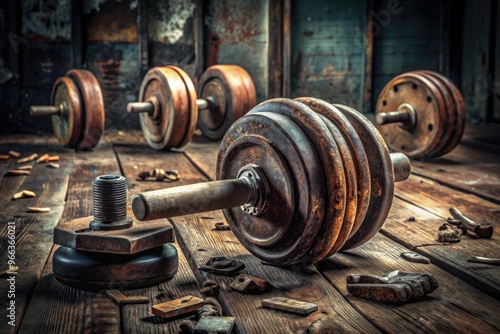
[[110, 203]]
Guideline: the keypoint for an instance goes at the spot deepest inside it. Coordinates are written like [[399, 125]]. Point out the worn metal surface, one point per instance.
[[219, 325], [290, 305], [220, 265], [482, 231], [394, 287], [247, 284], [177, 307]]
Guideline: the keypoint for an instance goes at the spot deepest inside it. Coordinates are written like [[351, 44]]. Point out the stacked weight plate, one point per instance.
[[439, 114]]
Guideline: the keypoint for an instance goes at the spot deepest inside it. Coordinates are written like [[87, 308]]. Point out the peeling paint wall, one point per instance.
[[168, 21], [46, 19]]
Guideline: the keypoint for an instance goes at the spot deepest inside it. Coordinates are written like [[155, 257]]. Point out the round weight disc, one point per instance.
[[93, 108], [460, 116], [186, 119], [233, 93], [67, 126], [164, 87], [381, 173], [325, 111], [94, 271], [334, 178], [285, 231], [448, 114], [421, 94]]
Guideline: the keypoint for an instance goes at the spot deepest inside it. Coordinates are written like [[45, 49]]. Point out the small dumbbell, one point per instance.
[[108, 250], [77, 110], [169, 103], [421, 114], [298, 180]]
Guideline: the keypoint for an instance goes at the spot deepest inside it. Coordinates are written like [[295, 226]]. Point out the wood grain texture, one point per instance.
[[453, 307]]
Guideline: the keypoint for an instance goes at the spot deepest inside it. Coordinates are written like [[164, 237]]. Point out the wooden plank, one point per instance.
[[32, 242], [55, 307], [429, 203], [274, 50], [451, 308], [199, 242], [204, 156]]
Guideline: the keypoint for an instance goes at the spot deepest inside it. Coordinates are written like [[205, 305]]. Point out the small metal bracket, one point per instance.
[[221, 265]]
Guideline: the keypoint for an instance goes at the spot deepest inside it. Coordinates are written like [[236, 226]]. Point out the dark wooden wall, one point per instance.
[[342, 51]]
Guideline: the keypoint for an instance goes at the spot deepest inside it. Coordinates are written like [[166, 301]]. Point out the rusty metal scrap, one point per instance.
[[219, 325], [159, 174], [27, 159], [448, 233], [212, 308], [24, 194], [485, 260], [14, 154], [37, 209], [210, 287], [121, 299], [221, 265], [247, 284], [177, 307], [290, 305], [481, 230], [17, 172], [415, 257], [394, 287], [4, 156]]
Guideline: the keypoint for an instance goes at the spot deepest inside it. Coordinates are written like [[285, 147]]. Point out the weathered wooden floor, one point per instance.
[[467, 299]]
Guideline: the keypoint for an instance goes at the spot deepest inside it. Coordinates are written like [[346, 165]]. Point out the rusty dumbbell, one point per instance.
[[298, 180], [109, 250], [169, 103], [421, 114], [77, 110]]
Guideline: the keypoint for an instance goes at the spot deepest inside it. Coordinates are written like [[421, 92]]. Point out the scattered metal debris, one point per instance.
[[221, 226], [482, 231], [122, 299], [249, 284], [219, 325], [486, 260], [43, 158], [24, 194], [290, 305], [25, 167], [187, 326], [415, 257], [4, 156], [27, 159], [53, 165], [441, 169], [212, 308], [14, 154], [159, 174], [37, 210], [177, 307], [221, 265], [11, 271], [394, 287], [17, 172], [210, 288], [411, 219], [448, 233]]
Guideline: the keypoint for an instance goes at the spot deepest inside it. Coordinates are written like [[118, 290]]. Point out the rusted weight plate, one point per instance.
[[93, 108], [448, 112], [95, 271], [381, 173], [67, 126], [232, 93], [460, 116], [186, 120], [425, 97], [344, 223], [287, 158], [335, 184], [174, 99]]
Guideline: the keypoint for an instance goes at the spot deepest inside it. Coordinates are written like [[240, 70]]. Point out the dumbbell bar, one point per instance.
[[298, 181], [429, 111], [169, 104], [77, 110]]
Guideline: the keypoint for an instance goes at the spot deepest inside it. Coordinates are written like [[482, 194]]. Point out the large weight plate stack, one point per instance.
[[329, 174], [440, 114]]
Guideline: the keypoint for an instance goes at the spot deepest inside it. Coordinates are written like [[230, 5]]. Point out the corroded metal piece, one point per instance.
[[290, 305], [421, 114], [394, 287], [221, 265], [177, 307], [219, 325], [482, 231], [247, 284], [415, 257], [448, 233]]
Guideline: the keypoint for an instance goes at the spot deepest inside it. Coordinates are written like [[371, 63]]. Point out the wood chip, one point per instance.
[[53, 158], [122, 299], [53, 165], [10, 271], [4, 156], [16, 172], [15, 154], [177, 306], [27, 159], [24, 194], [25, 167], [289, 305], [38, 210], [43, 158]]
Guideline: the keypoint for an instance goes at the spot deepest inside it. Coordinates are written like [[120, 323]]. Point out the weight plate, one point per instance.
[[421, 94], [335, 184], [448, 114], [67, 126], [346, 222], [96, 271], [460, 116], [93, 108], [285, 231], [231, 90], [381, 173], [186, 119]]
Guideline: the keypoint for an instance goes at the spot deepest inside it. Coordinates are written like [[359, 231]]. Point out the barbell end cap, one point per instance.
[[140, 207], [401, 165], [380, 119]]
